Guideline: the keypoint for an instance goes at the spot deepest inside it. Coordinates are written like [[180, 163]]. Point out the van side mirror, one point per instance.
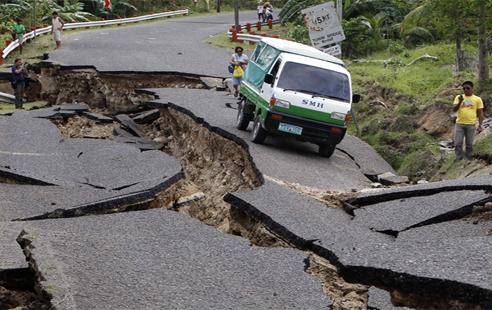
[[269, 79], [355, 98]]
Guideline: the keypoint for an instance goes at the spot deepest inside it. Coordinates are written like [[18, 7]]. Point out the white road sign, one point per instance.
[[323, 24], [333, 50]]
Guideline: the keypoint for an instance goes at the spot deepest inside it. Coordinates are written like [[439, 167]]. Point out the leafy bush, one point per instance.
[[299, 33]]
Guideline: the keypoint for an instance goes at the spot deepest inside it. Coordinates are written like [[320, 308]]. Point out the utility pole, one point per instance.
[[236, 15], [218, 5]]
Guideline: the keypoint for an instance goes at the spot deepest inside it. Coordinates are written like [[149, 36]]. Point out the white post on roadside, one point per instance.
[[339, 8]]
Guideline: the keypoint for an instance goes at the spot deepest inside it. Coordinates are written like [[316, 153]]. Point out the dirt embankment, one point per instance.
[[407, 133]]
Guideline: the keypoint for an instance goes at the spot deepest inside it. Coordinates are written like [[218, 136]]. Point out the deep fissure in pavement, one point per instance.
[[215, 162], [20, 289]]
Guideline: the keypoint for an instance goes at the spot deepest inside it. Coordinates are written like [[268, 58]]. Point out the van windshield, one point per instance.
[[315, 81]]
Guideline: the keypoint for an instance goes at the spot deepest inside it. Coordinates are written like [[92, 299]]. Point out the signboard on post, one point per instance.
[[323, 24], [333, 50]]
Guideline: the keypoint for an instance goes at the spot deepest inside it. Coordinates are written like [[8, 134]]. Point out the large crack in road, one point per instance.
[[340, 248]]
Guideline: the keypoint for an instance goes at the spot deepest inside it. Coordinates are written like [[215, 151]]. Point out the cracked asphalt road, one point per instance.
[[174, 45], [144, 259]]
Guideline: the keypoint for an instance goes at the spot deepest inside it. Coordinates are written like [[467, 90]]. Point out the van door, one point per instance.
[[267, 89]]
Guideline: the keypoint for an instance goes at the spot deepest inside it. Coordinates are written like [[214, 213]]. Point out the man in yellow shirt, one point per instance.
[[469, 108]]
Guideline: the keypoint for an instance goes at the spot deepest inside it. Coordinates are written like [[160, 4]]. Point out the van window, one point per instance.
[[314, 80], [259, 46], [266, 57]]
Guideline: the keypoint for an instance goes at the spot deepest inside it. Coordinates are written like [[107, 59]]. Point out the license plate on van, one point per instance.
[[290, 128]]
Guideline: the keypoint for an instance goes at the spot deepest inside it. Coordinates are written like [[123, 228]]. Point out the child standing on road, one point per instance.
[[261, 11], [56, 28], [240, 60], [18, 31]]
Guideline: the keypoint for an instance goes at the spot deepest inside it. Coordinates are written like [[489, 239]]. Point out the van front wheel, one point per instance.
[[326, 150], [259, 134], [242, 120]]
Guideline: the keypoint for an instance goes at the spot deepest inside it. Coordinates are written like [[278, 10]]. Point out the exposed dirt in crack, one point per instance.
[[344, 295], [105, 90], [82, 127], [213, 165], [21, 300], [20, 290]]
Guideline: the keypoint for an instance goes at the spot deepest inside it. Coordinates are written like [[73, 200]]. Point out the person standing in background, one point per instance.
[[19, 75], [469, 108], [240, 60], [56, 28], [18, 31]]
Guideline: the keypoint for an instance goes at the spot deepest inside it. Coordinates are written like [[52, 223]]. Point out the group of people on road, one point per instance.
[[19, 30], [265, 12]]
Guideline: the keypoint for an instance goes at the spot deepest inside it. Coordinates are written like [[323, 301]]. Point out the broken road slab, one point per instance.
[[369, 161], [11, 256], [472, 183], [130, 125], [461, 228], [163, 259], [363, 256], [76, 107], [98, 117], [275, 158], [402, 214], [146, 117]]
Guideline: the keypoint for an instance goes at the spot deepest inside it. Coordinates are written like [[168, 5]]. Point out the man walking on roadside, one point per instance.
[[56, 28], [19, 75], [468, 107], [18, 31]]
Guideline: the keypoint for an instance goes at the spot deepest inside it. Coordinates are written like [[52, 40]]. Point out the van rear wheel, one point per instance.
[[242, 120], [259, 134], [326, 150]]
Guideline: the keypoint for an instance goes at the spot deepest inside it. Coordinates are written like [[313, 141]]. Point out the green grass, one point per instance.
[[6, 108], [422, 80], [484, 147]]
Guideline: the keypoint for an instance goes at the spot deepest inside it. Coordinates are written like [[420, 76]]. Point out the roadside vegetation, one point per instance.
[[408, 60]]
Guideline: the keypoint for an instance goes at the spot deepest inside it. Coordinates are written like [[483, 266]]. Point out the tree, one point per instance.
[[483, 66]]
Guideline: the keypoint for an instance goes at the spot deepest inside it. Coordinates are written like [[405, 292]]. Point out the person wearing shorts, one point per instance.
[[238, 59], [18, 31], [56, 28]]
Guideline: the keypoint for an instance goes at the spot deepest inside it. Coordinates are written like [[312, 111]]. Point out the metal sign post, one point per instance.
[[325, 29], [236, 15]]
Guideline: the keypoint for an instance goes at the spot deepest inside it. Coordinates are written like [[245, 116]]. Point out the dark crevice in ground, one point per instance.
[[18, 290], [136, 201], [444, 293], [12, 177], [412, 193], [453, 215]]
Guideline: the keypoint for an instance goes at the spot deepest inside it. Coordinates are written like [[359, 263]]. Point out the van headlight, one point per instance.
[[282, 103], [338, 115]]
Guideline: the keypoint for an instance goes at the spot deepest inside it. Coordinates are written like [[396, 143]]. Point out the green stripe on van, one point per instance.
[[310, 114], [301, 112]]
